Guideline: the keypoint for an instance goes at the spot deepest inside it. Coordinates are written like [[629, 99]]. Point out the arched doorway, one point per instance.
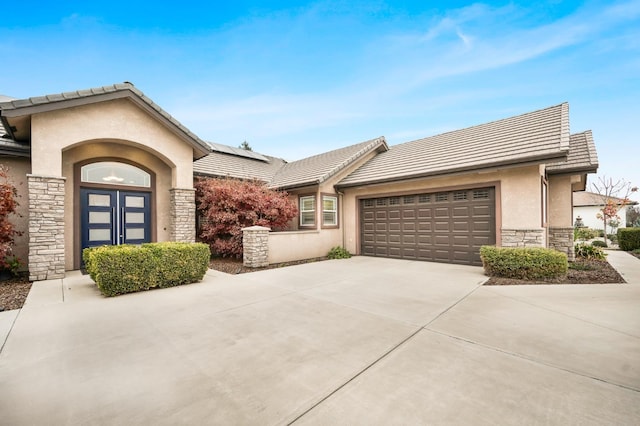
[[115, 203]]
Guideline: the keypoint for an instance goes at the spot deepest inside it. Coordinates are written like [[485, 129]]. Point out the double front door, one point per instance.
[[113, 217]]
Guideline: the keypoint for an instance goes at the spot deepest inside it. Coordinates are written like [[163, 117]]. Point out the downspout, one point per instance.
[[340, 203]]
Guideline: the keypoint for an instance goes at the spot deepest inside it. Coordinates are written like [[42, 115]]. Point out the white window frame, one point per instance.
[[333, 211], [302, 209]]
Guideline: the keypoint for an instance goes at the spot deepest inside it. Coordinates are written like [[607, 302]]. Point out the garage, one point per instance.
[[448, 226]]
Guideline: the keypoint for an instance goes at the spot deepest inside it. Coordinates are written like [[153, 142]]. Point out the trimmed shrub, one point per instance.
[[130, 268], [523, 263], [591, 252], [598, 243], [629, 238], [338, 253], [584, 234], [613, 238]]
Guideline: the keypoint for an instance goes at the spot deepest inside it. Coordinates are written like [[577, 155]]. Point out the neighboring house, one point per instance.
[[587, 206], [108, 166]]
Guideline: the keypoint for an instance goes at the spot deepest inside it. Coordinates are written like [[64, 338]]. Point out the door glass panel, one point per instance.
[[99, 217], [134, 217], [99, 200], [132, 201], [135, 233], [99, 234]]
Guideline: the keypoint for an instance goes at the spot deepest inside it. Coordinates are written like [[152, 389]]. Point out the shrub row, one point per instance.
[[130, 268], [629, 238], [523, 263]]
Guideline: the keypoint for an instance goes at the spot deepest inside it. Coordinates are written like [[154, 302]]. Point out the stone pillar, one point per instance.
[[46, 227], [255, 246], [561, 239], [522, 238], [183, 215]]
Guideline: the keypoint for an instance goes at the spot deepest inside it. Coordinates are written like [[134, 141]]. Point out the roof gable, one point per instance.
[[318, 168], [19, 108], [582, 156], [532, 137]]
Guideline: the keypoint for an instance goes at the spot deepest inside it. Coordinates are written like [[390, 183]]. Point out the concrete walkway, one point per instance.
[[358, 341]]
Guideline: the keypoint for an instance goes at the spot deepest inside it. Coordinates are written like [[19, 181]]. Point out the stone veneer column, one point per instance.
[[46, 227], [561, 239], [183, 215], [522, 238], [255, 246]]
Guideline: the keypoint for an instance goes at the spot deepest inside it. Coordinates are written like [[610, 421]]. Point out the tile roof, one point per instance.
[[531, 137], [586, 198], [19, 107], [221, 164], [582, 156], [277, 173], [318, 168]]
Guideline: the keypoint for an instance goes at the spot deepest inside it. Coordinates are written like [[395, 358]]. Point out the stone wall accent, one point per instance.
[[183, 215], [46, 227], [255, 246], [561, 239], [522, 237]]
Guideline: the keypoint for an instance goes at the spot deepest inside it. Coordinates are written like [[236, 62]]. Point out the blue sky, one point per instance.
[[299, 78]]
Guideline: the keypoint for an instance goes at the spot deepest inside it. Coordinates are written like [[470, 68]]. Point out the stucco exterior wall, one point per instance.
[[560, 201], [18, 170], [298, 245], [55, 131], [518, 197]]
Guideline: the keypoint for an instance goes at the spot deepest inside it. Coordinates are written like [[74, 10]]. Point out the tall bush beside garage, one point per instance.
[[523, 263], [128, 268], [629, 238]]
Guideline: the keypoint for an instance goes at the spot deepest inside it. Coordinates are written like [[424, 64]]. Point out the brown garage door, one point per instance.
[[441, 226]]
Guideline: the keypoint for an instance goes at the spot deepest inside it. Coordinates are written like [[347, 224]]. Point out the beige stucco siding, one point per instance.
[[518, 205], [560, 199], [55, 131], [18, 170]]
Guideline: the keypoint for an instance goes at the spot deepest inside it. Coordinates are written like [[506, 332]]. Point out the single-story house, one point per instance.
[[587, 205], [109, 166]]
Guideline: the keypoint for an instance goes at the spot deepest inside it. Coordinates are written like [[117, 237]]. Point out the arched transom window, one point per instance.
[[114, 173]]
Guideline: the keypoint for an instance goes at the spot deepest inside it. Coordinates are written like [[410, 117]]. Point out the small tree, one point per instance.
[[245, 145], [228, 205], [8, 205], [615, 196]]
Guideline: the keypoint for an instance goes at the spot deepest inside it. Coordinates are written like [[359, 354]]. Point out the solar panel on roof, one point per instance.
[[225, 149]]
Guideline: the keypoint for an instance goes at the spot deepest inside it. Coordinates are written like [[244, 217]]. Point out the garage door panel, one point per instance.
[[445, 226]]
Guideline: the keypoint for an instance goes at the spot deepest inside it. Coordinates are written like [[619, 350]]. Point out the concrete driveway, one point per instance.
[[358, 341]]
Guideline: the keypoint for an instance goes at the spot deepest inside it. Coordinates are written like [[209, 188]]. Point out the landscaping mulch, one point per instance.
[[235, 266], [13, 293], [581, 271]]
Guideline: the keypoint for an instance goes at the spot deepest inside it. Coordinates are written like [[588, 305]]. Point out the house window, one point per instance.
[[329, 210], [308, 211]]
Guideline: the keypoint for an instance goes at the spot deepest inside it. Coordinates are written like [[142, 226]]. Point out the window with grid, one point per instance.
[[308, 211], [329, 210]]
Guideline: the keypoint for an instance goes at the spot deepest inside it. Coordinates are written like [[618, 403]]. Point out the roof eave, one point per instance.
[[525, 162], [574, 170]]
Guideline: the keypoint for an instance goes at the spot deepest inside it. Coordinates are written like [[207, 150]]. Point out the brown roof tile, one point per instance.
[[582, 156], [318, 168], [586, 198], [529, 137], [220, 164]]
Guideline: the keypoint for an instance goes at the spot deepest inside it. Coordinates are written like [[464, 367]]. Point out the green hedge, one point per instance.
[[629, 238], [129, 268], [523, 263]]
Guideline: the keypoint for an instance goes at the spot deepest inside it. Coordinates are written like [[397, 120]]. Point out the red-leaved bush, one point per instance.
[[228, 205], [8, 204]]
